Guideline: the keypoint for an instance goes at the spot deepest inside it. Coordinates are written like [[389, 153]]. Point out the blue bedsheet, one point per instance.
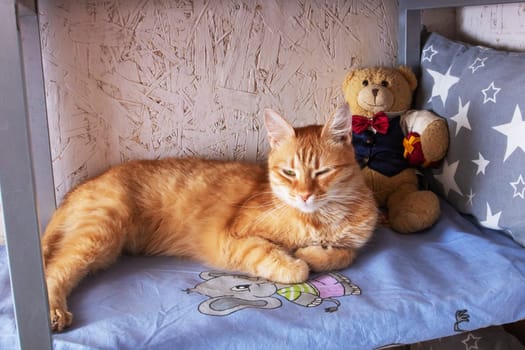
[[402, 289]]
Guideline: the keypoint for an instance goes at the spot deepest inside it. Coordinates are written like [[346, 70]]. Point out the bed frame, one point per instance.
[[28, 201]]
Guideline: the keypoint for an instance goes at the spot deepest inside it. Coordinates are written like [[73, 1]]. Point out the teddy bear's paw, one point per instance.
[[417, 211], [434, 141]]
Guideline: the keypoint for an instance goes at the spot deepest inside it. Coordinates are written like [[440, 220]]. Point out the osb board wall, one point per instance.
[[148, 79], [499, 26]]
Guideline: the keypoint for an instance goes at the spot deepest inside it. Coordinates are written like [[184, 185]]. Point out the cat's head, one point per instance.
[[313, 165]]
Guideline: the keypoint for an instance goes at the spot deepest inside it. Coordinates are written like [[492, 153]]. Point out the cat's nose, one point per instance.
[[305, 196]]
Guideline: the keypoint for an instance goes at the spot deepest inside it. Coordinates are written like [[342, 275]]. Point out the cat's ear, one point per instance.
[[278, 128], [339, 125]]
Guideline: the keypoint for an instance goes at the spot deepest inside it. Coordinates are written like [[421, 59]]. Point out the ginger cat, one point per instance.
[[309, 210]]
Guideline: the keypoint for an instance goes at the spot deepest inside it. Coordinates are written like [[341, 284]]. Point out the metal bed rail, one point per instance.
[[24, 145]]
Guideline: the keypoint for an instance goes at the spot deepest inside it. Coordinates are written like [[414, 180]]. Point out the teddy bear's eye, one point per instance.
[[365, 82], [384, 83]]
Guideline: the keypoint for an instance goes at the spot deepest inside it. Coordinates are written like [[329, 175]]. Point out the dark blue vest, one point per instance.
[[383, 153]]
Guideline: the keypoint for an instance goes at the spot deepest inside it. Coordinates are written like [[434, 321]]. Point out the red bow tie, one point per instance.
[[379, 122]]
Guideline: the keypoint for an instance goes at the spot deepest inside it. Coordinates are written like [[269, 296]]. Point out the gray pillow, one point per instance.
[[481, 93]]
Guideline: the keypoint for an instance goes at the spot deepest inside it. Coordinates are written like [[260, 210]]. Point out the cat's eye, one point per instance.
[[241, 288], [365, 82], [289, 172], [384, 83], [322, 172]]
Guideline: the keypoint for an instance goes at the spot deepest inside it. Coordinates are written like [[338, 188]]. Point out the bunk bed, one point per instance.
[[452, 279]]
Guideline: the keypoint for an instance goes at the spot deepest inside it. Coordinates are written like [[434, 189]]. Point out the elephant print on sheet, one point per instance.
[[228, 293]]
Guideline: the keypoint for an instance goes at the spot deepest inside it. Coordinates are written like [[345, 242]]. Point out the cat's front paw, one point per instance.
[[289, 272], [325, 258], [60, 318]]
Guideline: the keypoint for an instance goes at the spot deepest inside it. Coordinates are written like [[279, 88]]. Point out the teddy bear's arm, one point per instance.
[[417, 120], [432, 129]]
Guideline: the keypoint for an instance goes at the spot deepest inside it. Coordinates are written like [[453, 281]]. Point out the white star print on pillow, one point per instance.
[[442, 84], [461, 118], [447, 177], [489, 94], [481, 163], [515, 132], [478, 63], [519, 187]]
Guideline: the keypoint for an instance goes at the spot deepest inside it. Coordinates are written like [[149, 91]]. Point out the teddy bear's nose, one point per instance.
[[374, 92]]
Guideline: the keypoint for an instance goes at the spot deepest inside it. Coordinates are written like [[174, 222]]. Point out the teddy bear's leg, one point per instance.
[[411, 210], [379, 184]]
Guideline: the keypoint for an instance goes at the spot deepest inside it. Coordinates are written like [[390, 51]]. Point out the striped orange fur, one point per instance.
[[309, 209]]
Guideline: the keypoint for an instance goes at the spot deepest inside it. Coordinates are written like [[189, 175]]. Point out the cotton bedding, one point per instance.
[[402, 289]]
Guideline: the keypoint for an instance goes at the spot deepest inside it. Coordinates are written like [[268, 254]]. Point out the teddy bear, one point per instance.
[[391, 142]]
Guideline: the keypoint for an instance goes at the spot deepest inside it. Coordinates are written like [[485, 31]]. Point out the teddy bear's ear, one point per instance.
[[409, 76], [349, 77]]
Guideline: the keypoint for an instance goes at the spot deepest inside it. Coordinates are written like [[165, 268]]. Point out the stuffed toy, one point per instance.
[[391, 141]]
